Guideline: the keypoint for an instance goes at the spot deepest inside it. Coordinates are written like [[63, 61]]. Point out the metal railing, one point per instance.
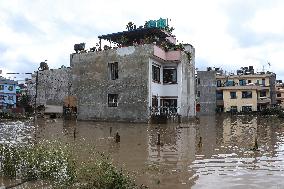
[[169, 111]]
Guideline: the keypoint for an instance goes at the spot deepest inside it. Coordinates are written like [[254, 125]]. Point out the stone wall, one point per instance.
[[91, 84], [53, 85], [207, 88]]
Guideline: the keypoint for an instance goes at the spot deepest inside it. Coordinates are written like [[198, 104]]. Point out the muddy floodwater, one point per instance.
[[215, 152]]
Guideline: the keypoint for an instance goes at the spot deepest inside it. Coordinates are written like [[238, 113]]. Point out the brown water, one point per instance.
[[214, 153]]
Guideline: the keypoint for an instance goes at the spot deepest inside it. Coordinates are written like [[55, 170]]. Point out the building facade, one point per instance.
[[50, 88], [206, 92], [134, 81], [280, 93], [7, 93]]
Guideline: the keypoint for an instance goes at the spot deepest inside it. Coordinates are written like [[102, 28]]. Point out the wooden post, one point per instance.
[[159, 139], [117, 138]]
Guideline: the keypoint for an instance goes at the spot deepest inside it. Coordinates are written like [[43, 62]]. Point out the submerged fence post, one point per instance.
[[159, 139], [117, 138], [200, 142], [255, 144]]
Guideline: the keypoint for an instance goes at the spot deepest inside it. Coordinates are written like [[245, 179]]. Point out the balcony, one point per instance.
[[243, 87], [220, 102], [263, 100], [167, 56]]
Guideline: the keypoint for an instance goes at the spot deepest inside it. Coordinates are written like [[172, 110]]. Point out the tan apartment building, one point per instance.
[[239, 98], [246, 91]]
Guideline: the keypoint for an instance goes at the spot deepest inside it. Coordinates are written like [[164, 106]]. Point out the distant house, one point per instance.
[[52, 87], [242, 92], [280, 93], [7, 93]]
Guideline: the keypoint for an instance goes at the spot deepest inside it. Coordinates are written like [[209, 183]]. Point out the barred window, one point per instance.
[[112, 100]]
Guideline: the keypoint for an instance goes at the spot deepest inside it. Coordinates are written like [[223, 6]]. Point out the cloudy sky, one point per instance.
[[225, 33]]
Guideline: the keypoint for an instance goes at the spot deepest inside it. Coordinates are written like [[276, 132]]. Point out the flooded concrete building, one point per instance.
[[145, 74], [50, 87], [206, 92]]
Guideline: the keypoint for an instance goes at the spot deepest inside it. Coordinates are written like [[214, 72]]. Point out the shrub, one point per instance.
[[55, 163]]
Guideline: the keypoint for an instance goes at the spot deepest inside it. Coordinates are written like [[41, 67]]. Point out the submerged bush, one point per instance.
[[43, 161], [56, 164], [103, 174]]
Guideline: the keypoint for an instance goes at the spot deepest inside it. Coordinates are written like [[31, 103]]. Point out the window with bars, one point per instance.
[[113, 70], [112, 100]]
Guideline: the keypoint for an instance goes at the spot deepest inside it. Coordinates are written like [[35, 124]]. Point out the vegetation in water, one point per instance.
[[58, 164]]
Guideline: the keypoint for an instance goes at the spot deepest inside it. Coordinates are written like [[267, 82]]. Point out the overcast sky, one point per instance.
[[225, 33]]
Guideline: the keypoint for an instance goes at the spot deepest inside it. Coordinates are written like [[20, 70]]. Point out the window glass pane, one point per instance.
[[113, 70], [233, 95], [246, 94], [155, 73], [170, 75], [219, 83], [219, 95]]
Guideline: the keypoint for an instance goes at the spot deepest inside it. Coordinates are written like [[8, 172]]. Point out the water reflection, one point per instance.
[[233, 163], [216, 152]]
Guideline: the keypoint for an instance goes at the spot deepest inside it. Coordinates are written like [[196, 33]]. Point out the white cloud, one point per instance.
[[268, 21], [229, 34]]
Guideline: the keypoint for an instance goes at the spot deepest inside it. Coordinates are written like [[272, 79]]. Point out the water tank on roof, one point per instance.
[[239, 72], [247, 72]]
